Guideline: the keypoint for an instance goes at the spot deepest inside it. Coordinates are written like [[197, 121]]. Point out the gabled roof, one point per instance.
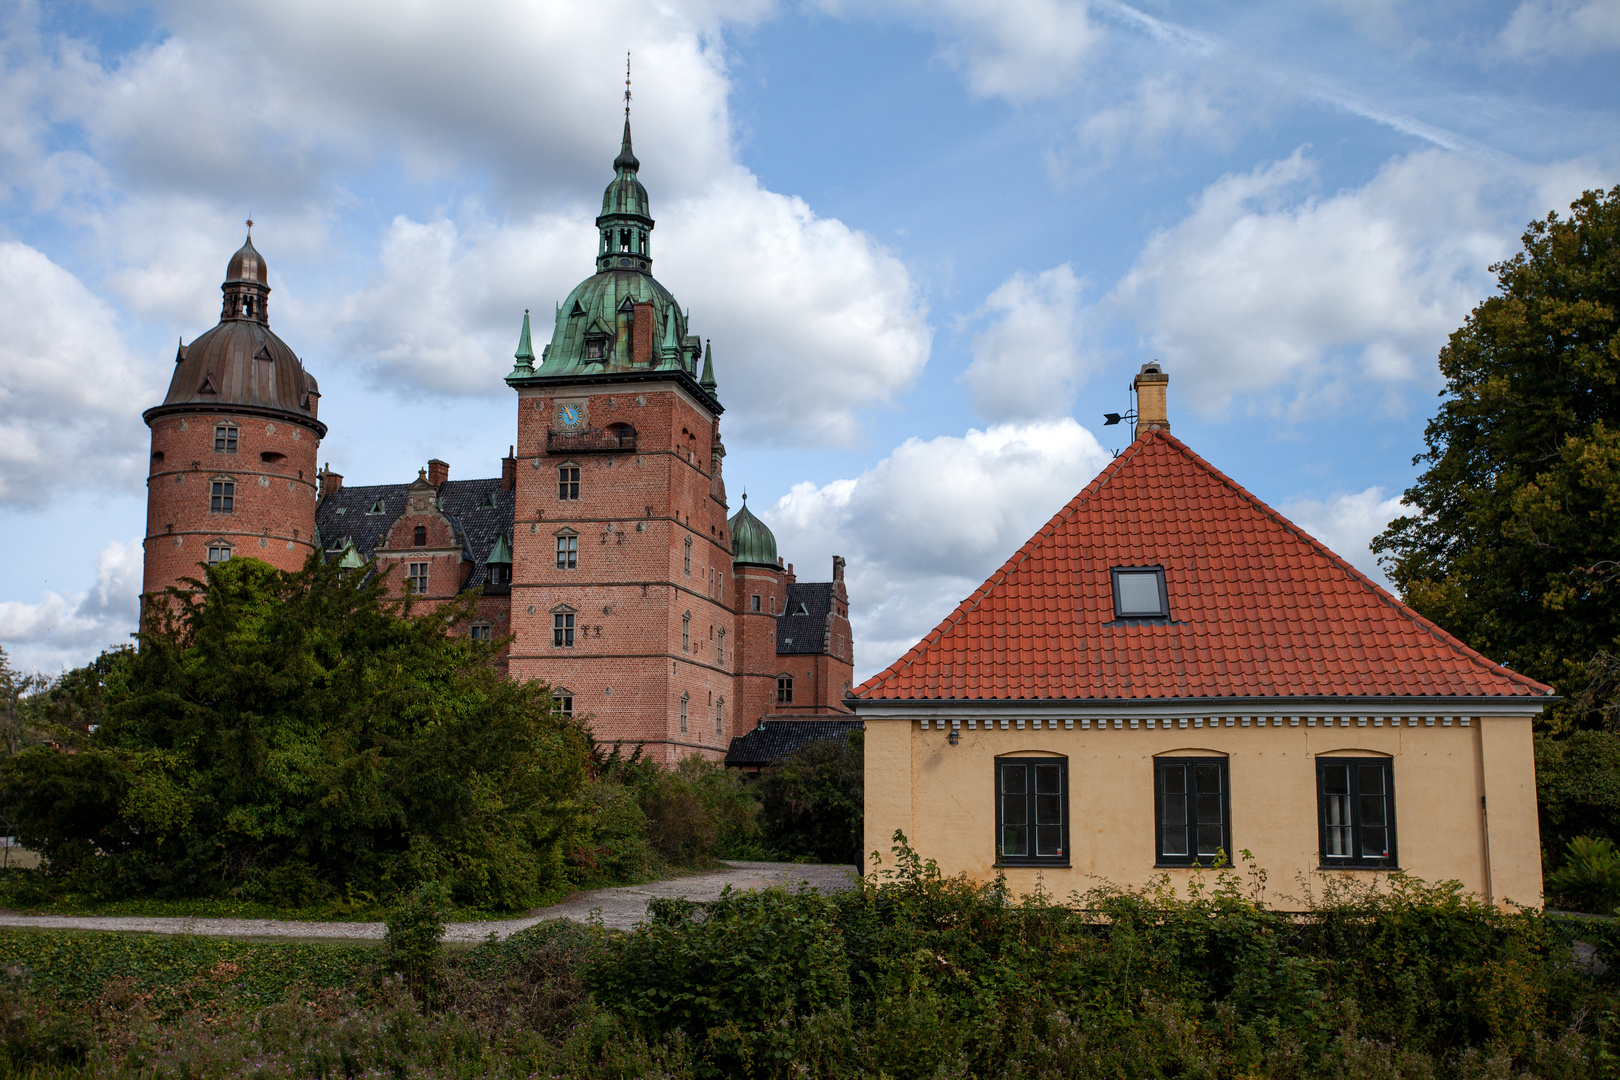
[[480, 510], [1258, 608], [775, 740], [806, 619]]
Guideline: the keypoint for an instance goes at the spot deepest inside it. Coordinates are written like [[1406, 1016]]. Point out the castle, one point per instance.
[[603, 553]]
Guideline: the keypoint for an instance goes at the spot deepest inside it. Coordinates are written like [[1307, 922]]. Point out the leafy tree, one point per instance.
[[301, 736], [813, 803], [1515, 546], [18, 727]]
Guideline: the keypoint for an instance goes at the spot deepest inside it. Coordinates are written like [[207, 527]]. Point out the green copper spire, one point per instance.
[[525, 352], [752, 542], [351, 559], [707, 382]]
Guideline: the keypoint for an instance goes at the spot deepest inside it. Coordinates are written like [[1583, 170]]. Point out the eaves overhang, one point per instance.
[[619, 378], [216, 408], [1143, 708]]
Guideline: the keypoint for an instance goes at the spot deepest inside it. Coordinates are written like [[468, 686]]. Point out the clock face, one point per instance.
[[570, 416]]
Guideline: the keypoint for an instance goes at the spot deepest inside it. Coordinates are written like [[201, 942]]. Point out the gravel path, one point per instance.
[[620, 908]]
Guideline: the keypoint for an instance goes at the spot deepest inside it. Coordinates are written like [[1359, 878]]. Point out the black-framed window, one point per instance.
[[481, 631], [784, 689], [562, 630], [1139, 593], [1032, 811], [224, 438], [1192, 810], [567, 552], [1355, 811], [218, 553], [222, 497], [568, 482], [416, 578]]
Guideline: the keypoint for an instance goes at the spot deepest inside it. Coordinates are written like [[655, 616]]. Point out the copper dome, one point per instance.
[[247, 265]]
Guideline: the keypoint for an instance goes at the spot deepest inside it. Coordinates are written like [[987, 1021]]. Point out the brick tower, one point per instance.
[[233, 444]]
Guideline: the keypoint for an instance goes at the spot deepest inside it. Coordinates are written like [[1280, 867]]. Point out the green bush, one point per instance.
[[302, 738], [1577, 790], [1589, 879], [411, 945]]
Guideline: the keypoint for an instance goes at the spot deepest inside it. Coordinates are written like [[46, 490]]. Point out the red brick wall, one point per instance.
[[274, 515]]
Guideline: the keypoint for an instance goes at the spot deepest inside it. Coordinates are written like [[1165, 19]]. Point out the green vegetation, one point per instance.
[[910, 975], [1515, 546], [812, 805]]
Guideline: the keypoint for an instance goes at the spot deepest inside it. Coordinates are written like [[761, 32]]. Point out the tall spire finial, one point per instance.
[[250, 226], [627, 86]]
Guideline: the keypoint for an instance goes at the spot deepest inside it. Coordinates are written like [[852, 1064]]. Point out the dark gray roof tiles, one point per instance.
[[773, 740], [479, 510], [806, 619]]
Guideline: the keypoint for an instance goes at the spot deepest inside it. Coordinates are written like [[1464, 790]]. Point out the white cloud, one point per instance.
[[1551, 28], [1029, 361], [925, 526], [1163, 107], [67, 384], [1267, 287], [1014, 49], [1347, 522], [66, 631]]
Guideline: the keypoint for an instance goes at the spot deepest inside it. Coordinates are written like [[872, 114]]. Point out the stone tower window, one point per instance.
[[719, 718], [416, 578], [784, 689], [685, 701], [567, 552], [218, 553], [568, 482], [224, 438], [562, 630], [480, 631], [686, 632], [720, 648], [419, 536], [222, 497], [753, 603], [687, 568]]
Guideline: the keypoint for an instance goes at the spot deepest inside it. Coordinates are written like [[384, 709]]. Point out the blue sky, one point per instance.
[[929, 242]]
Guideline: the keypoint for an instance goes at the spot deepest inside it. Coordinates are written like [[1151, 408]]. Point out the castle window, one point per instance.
[[222, 497], [218, 553], [685, 700], [720, 649], [719, 718], [753, 603], [499, 574], [562, 630], [687, 568], [624, 245], [565, 703], [773, 605], [567, 552], [419, 536], [784, 689], [416, 578], [595, 347], [568, 482], [643, 242], [480, 631], [686, 632], [224, 438]]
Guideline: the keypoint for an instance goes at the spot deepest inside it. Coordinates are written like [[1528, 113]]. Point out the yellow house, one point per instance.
[[1168, 670]]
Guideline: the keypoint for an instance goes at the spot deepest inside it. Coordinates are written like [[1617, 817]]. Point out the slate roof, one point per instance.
[[807, 633], [773, 740], [344, 516], [1258, 608]]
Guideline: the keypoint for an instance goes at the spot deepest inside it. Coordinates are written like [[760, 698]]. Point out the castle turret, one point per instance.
[[234, 443]]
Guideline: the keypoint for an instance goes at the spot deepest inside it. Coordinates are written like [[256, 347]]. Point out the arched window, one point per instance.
[[784, 689], [419, 536]]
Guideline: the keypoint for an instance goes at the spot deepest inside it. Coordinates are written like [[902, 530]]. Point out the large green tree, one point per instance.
[[1515, 543], [300, 736]]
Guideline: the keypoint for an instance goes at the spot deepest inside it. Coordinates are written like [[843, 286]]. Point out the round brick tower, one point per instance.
[[234, 444]]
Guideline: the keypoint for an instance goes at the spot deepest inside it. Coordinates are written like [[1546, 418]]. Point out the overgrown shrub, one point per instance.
[[411, 945], [1577, 790], [1589, 879]]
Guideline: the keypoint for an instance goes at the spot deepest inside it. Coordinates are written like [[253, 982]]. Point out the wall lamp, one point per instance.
[[955, 737]]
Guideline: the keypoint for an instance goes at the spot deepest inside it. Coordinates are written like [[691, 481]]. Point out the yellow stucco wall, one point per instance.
[[943, 798]]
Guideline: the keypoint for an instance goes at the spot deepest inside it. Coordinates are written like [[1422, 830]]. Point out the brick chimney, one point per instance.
[[1152, 405], [643, 326], [838, 568], [438, 472], [330, 481], [509, 470]]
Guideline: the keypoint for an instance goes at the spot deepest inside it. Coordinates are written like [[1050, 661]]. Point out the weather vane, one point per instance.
[[250, 226], [627, 85]]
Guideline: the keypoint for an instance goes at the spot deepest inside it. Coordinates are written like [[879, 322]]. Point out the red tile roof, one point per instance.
[[1258, 608]]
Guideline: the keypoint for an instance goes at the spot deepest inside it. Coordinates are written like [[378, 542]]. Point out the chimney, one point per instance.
[[509, 470], [1152, 406], [330, 481], [790, 577], [642, 326], [838, 568], [438, 472]]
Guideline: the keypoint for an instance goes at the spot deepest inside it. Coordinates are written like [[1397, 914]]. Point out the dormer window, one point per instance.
[[595, 347], [1139, 593]]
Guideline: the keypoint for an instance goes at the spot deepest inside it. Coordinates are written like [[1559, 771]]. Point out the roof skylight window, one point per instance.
[[1139, 593]]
